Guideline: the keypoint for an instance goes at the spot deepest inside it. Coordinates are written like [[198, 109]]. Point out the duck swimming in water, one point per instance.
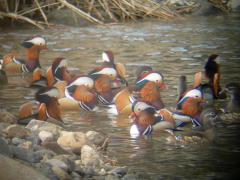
[[48, 107], [34, 45], [212, 76], [108, 60], [148, 86], [146, 119]]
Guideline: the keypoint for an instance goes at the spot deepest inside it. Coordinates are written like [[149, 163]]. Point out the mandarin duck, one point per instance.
[[48, 107], [141, 70], [233, 89], [190, 105], [58, 71], [37, 79], [108, 60], [34, 46], [78, 94], [146, 119], [212, 75], [148, 86], [104, 77]]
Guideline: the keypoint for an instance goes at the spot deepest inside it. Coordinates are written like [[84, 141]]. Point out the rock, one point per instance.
[[90, 157], [3, 126], [60, 173], [26, 145], [16, 130], [45, 136], [6, 117], [16, 141], [72, 140], [45, 154], [12, 169], [85, 171], [38, 126], [4, 147], [58, 163], [95, 137], [119, 171], [75, 176], [25, 154], [112, 177], [53, 146], [130, 177]]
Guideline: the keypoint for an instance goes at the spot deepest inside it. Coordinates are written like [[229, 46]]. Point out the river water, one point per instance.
[[174, 48]]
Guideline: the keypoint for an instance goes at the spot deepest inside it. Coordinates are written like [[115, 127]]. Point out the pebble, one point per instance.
[[45, 136], [16, 130]]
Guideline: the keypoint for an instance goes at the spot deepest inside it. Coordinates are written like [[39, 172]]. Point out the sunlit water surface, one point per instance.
[[174, 48]]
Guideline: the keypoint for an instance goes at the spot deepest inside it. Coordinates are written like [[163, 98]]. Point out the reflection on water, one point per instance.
[[174, 48]]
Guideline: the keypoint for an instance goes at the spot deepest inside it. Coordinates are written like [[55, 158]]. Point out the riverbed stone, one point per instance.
[[90, 157], [45, 136], [7, 117], [54, 146], [73, 141], [4, 147], [25, 154], [11, 169], [25, 145], [85, 171], [16, 141], [3, 126], [58, 163], [119, 171], [16, 130], [95, 137], [60, 173], [38, 126]]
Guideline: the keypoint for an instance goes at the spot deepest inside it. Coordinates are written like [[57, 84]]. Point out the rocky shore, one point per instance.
[[46, 150]]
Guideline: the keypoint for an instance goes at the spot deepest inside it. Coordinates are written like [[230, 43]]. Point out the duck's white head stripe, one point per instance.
[[152, 77], [63, 63], [107, 71], [52, 93], [37, 41], [86, 81], [194, 93], [105, 57]]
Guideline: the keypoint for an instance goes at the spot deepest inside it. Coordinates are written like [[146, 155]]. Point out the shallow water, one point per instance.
[[172, 47]]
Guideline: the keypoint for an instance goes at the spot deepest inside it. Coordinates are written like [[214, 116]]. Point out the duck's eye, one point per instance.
[[156, 80], [196, 96], [139, 109]]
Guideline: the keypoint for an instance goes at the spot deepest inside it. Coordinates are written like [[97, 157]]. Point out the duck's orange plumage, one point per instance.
[[150, 92]]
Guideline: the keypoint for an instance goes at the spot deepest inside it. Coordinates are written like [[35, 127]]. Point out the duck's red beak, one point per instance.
[[164, 86]]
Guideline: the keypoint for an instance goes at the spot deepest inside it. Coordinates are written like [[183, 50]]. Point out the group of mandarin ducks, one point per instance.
[[107, 86]]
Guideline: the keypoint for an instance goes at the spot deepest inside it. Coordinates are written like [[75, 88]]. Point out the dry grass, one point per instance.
[[95, 11]]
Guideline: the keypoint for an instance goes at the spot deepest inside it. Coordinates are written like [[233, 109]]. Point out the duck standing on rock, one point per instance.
[[34, 46], [212, 76], [48, 107]]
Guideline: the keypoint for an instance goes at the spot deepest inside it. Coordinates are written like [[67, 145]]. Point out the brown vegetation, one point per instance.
[[100, 12]]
